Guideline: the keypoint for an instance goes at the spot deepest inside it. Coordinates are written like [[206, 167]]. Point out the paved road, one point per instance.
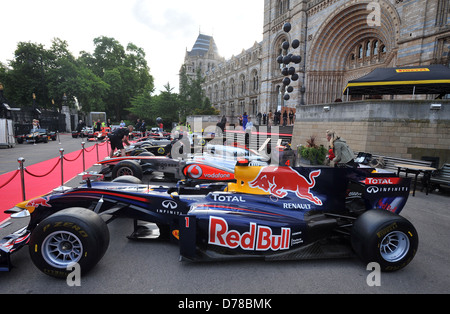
[[35, 153], [154, 267]]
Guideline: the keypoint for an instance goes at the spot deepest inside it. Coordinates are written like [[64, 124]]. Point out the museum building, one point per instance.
[[340, 40]]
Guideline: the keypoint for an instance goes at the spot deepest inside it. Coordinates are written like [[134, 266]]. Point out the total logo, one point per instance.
[[381, 181], [258, 238]]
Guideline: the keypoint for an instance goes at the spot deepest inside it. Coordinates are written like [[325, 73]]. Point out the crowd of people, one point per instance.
[[287, 118]]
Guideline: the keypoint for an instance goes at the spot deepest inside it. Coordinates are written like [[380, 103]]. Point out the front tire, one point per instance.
[[74, 235], [385, 238], [127, 168]]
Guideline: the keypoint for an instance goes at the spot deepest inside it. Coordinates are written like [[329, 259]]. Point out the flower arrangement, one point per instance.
[[313, 153]]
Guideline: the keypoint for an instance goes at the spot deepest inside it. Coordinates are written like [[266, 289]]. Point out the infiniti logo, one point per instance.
[[169, 204], [373, 189]]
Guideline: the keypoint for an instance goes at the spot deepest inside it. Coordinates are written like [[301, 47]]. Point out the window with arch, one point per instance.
[[232, 88], [255, 81], [282, 7], [242, 85], [367, 51]]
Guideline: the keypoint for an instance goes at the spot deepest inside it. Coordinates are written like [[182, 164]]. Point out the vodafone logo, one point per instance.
[[194, 171], [258, 238]]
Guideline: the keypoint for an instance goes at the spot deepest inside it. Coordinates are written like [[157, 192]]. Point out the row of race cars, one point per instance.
[[37, 136], [225, 203]]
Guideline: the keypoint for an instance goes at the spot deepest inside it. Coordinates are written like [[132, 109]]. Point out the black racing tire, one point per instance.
[[146, 153], [127, 168], [385, 238], [127, 179], [73, 235]]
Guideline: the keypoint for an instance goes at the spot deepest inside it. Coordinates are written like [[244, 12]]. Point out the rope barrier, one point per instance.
[[22, 170], [44, 175], [12, 178], [70, 160]]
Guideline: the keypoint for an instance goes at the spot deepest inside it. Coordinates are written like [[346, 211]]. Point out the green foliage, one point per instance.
[[106, 80], [312, 152], [193, 100]]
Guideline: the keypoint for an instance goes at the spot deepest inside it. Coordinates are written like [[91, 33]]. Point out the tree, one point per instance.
[[29, 74], [192, 96], [165, 105], [125, 71]]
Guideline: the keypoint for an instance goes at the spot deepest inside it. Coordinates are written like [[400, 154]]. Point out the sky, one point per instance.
[[164, 29]]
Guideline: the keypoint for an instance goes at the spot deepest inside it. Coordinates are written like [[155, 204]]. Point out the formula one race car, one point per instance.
[[36, 136], [272, 212], [215, 163], [99, 135]]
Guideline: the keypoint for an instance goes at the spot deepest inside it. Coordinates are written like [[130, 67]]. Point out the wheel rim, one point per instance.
[[61, 249], [124, 171], [394, 246]]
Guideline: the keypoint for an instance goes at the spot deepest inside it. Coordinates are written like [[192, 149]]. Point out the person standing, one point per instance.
[[118, 138], [244, 120], [344, 156]]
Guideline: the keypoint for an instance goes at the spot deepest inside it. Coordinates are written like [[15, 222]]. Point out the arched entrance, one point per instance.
[[350, 43]]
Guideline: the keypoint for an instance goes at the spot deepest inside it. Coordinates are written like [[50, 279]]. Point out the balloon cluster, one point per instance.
[[286, 59]]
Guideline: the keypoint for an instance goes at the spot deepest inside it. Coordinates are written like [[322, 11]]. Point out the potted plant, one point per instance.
[[312, 153]]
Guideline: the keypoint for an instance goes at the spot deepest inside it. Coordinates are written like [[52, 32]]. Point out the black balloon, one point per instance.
[[285, 71], [280, 59], [286, 97], [286, 81], [287, 27], [287, 59], [291, 71], [296, 59], [285, 45], [290, 89], [295, 77], [295, 43]]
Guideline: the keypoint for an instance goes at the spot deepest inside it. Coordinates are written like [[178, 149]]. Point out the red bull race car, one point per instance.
[[268, 212]]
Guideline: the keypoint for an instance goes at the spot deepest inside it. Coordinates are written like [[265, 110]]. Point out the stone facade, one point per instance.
[[405, 129], [340, 40]]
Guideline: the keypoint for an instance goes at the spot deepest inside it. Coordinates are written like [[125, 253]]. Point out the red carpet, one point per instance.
[[43, 177]]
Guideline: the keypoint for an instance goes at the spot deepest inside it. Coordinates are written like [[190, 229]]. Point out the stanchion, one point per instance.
[[84, 165], [21, 160], [96, 146], [61, 151]]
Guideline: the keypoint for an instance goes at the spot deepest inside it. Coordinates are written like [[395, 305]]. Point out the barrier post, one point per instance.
[[21, 160], [96, 147], [61, 151], [84, 166]]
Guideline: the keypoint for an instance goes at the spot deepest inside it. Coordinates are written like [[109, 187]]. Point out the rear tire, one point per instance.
[[74, 235], [385, 238]]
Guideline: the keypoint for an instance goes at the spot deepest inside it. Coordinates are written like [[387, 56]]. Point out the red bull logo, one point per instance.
[[35, 203], [258, 238], [280, 180]]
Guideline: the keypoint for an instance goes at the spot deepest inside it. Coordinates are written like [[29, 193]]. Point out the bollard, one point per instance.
[[84, 167], [61, 151], [21, 160], [96, 147]]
